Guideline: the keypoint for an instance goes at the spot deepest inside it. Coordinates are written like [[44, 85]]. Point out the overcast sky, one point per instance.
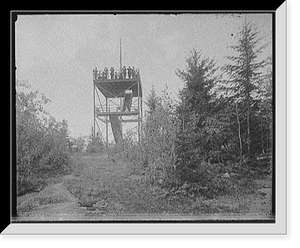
[[57, 53]]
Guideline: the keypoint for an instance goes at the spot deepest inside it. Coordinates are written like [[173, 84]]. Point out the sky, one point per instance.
[[56, 54]]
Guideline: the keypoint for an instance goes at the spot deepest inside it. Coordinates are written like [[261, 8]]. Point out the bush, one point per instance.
[[131, 151], [95, 144], [41, 141], [155, 156], [158, 146], [94, 147]]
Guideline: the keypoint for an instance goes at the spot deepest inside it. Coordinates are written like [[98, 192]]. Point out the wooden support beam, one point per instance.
[[132, 120], [99, 113], [123, 120]]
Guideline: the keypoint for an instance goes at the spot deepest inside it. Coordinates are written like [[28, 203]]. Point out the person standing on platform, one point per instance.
[[129, 72], [95, 73], [133, 72], [105, 73], [112, 73], [124, 72], [99, 75]]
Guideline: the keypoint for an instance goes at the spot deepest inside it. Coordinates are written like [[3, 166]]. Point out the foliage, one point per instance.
[[245, 78], [41, 140], [155, 155], [187, 147], [217, 117], [152, 101], [194, 143], [76, 144], [158, 144], [95, 143]]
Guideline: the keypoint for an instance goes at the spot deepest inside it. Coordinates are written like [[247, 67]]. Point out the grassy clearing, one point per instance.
[[109, 186], [102, 186]]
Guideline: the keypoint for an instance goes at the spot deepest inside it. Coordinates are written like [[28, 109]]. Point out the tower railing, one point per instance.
[[112, 74]]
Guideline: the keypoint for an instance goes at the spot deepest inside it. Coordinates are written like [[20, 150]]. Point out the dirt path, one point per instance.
[[55, 202], [94, 190]]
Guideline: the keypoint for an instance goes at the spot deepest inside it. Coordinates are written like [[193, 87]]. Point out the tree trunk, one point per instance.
[[248, 139], [262, 136], [239, 131]]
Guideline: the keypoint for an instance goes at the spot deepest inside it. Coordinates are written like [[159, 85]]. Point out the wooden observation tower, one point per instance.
[[117, 102]]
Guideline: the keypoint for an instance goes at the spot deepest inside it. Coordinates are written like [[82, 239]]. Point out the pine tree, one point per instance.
[[198, 81], [152, 101], [194, 111], [245, 75]]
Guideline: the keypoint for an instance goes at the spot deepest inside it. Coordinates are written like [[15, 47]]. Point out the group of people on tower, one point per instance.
[[125, 73]]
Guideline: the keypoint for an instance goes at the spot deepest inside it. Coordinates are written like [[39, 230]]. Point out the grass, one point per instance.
[[110, 185], [107, 186]]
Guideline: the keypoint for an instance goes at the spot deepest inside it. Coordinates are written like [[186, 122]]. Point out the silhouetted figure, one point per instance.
[[95, 73], [116, 75], [129, 70], [124, 72], [99, 75], [105, 73], [133, 74], [112, 73]]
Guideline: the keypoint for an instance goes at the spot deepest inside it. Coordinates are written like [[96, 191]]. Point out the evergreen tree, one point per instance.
[[152, 101], [198, 81], [95, 143], [194, 111], [243, 84]]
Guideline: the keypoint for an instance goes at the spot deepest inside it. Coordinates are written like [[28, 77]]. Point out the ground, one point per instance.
[[104, 188]]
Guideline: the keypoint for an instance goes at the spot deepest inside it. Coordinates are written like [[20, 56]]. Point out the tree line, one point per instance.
[[223, 121]]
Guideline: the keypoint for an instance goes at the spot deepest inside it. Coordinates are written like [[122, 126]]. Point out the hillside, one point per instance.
[[104, 187]]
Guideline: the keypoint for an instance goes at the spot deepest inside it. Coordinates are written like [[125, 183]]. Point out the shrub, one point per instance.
[[95, 144], [158, 146], [41, 141], [154, 156], [130, 150], [94, 147]]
